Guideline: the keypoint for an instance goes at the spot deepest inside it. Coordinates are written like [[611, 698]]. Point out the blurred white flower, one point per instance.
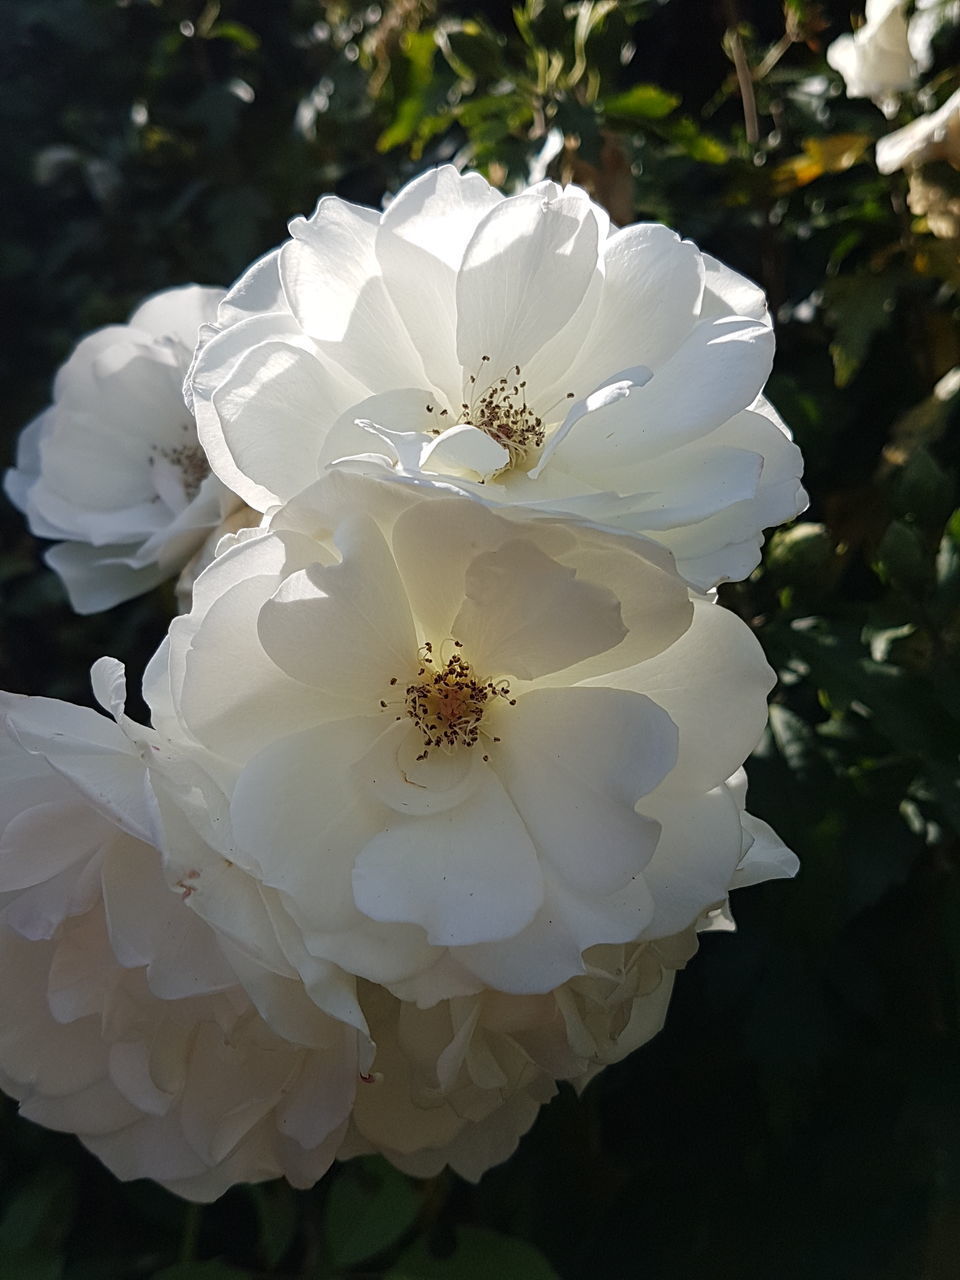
[[931, 137], [463, 747], [933, 201], [926, 20], [122, 1018], [876, 61], [519, 348], [113, 470]]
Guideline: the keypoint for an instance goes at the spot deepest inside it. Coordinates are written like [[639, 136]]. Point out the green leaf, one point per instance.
[[948, 572], [479, 1255], [278, 1213], [803, 553], [642, 102], [472, 51], [31, 1264], [370, 1206], [794, 740], [213, 1270], [903, 558], [860, 306], [40, 1213], [237, 34], [687, 135], [416, 64], [914, 714], [924, 490]]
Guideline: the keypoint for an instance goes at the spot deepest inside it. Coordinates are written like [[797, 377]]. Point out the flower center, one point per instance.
[[502, 413], [447, 701], [189, 459]]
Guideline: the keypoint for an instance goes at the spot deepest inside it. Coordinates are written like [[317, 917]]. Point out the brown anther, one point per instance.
[[503, 414], [448, 703], [191, 462]]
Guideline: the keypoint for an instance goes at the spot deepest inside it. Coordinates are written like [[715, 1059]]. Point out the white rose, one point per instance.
[[931, 137], [122, 1018], [458, 1083], [876, 61], [169, 1031], [454, 1081], [112, 469], [518, 347], [927, 19], [463, 747]]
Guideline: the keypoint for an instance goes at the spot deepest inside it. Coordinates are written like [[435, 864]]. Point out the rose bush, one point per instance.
[[444, 770]]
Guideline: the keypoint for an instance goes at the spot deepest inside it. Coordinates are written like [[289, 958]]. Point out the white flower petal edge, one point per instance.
[[113, 469], [461, 747], [931, 137], [627, 377]]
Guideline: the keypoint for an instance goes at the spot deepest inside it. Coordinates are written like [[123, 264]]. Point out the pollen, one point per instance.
[[447, 701], [503, 414], [189, 459]]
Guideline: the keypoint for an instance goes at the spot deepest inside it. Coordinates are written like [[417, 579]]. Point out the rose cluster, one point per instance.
[[884, 60], [444, 770]]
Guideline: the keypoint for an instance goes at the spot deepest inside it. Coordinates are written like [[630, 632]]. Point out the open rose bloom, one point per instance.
[[519, 348], [444, 773], [112, 469]]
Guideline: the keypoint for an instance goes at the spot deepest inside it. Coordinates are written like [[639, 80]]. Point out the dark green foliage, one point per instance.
[[798, 1117]]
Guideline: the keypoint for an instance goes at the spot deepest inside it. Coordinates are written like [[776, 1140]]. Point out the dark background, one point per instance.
[[798, 1117]]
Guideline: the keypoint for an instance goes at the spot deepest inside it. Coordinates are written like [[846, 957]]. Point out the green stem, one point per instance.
[[190, 1236]]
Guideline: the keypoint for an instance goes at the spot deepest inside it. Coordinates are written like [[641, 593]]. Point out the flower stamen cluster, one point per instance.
[[502, 413], [447, 702], [190, 461]]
